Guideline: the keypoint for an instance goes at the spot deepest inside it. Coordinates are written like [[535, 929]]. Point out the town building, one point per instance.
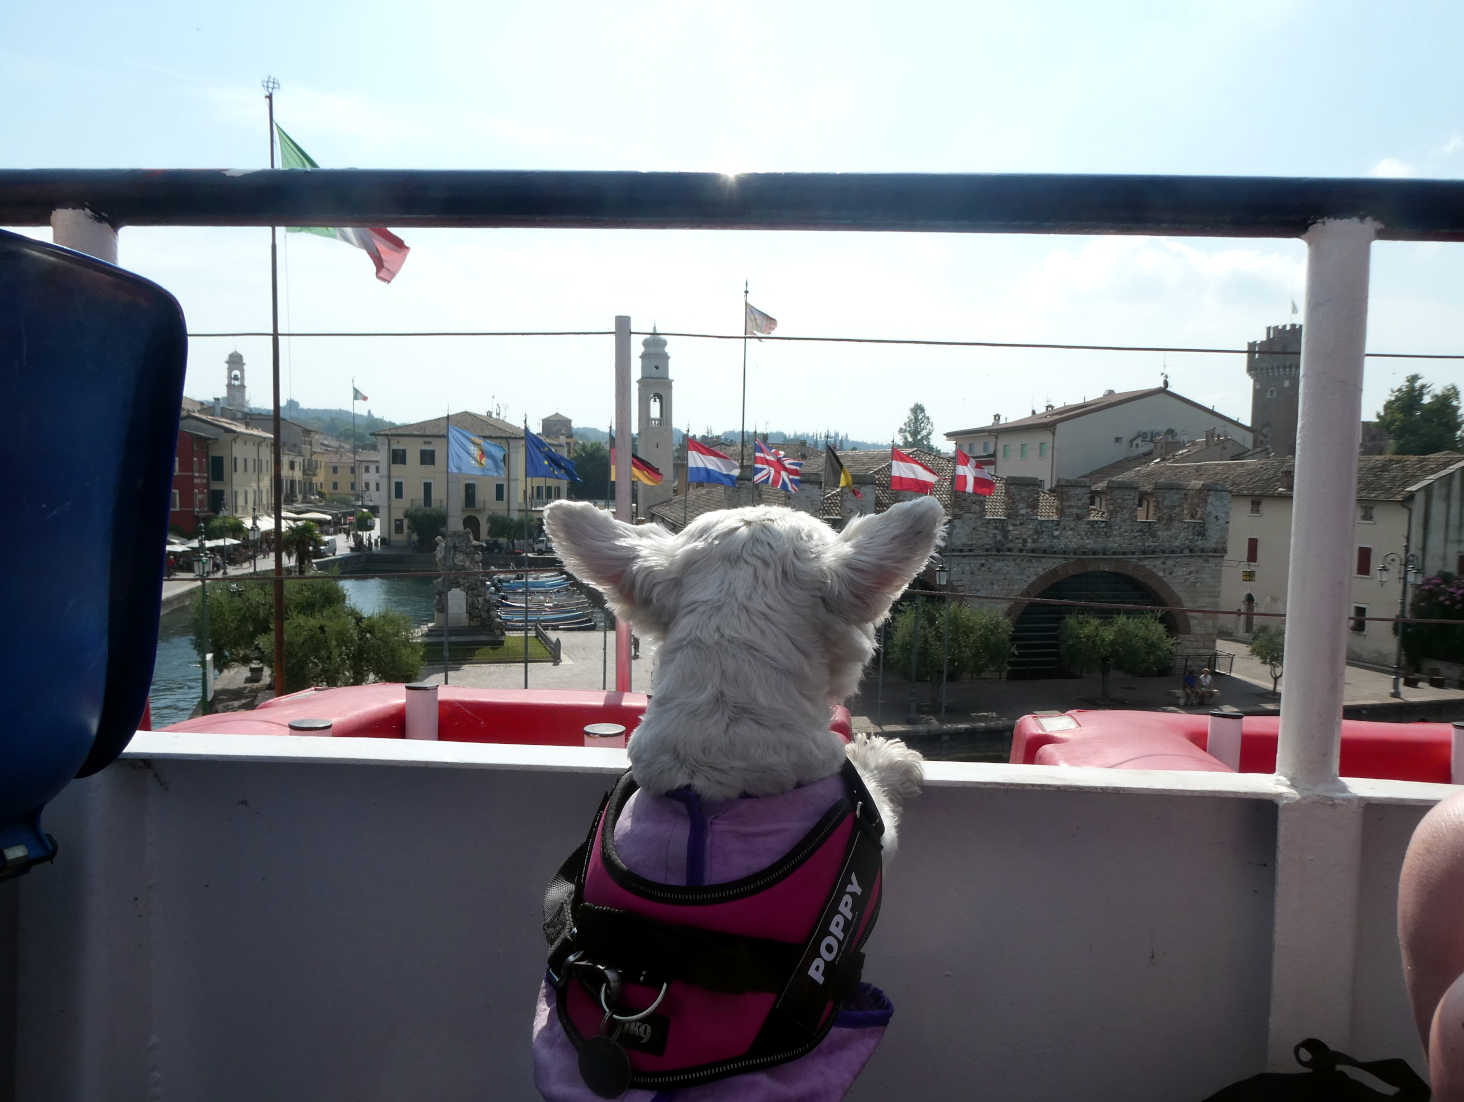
[[189, 507], [415, 475], [1407, 505], [240, 465], [299, 465], [1068, 441]]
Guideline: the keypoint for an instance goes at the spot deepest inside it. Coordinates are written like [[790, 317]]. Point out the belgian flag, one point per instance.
[[835, 472]]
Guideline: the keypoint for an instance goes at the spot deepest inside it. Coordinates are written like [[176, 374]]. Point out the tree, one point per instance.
[[225, 527], [592, 461], [326, 641], [520, 527], [980, 640], [1420, 423], [303, 541], [1138, 645], [426, 525], [1440, 597], [915, 432], [1269, 645], [364, 522]]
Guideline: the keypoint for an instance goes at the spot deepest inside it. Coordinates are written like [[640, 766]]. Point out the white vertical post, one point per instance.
[[1223, 740], [1456, 754], [83, 231], [1319, 832], [420, 718], [1328, 431], [623, 444]]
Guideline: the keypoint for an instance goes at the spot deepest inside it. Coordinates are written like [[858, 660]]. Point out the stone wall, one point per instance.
[[1019, 544]]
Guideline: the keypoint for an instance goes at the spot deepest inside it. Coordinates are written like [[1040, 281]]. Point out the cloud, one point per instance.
[[1392, 168], [1452, 146]]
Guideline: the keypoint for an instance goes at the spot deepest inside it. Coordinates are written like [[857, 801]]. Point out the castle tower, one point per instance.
[[1274, 365], [654, 442], [234, 380]]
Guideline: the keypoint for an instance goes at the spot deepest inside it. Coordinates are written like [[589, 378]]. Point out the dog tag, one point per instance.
[[604, 1067]]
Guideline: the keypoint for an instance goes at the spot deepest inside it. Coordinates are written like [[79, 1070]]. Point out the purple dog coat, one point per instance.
[[786, 875]]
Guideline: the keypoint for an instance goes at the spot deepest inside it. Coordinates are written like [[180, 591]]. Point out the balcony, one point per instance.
[[365, 912]]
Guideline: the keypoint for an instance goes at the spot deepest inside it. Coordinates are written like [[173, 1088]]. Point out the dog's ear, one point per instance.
[[882, 553], [624, 561]]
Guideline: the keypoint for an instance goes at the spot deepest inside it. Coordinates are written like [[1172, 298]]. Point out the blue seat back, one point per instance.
[[91, 377]]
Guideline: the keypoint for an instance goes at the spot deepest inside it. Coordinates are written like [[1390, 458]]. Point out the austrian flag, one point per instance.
[[972, 478], [908, 473]]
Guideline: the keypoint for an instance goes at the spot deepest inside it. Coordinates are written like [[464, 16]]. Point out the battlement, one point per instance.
[[1279, 351], [1080, 518]]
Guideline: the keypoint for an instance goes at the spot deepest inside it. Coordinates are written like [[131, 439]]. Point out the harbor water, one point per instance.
[[176, 679]]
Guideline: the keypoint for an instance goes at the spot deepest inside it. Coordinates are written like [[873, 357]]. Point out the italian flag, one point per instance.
[[386, 250], [908, 473]]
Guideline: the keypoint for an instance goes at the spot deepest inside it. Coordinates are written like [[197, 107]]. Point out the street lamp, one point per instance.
[[942, 579], [1408, 569], [202, 567], [254, 543]]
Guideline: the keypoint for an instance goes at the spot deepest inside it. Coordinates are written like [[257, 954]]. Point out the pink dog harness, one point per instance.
[[660, 986]]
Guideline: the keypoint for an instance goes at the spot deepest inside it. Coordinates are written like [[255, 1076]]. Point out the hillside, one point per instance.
[[337, 422]]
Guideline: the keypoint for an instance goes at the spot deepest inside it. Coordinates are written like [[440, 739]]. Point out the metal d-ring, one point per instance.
[[609, 1014]]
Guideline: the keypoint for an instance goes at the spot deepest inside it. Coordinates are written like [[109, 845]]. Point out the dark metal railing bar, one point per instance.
[[1192, 206]]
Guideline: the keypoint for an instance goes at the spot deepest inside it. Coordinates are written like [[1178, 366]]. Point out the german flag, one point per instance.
[[640, 470]]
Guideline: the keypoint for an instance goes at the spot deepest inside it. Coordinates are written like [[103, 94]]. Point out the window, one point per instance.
[[426, 495], [378, 487], [353, 485], [427, 457], [236, 501], [1006, 451], [1359, 619], [1365, 514], [236, 464], [1023, 454], [335, 485], [470, 495], [216, 468], [498, 491], [1041, 449], [538, 493], [1364, 562], [986, 448], [399, 455], [1255, 507], [1252, 550], [334, 469], [175, 500], [396, 489], [397, 526]]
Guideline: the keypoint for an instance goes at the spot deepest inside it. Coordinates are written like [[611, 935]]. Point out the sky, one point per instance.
[[1250, 87]]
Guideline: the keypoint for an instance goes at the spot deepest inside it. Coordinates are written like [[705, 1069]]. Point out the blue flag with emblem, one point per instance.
[[468, 453]]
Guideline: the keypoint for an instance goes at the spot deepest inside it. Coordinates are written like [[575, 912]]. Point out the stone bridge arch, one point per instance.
[[1035, 626]]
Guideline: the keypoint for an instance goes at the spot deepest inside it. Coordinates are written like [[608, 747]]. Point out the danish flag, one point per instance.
[[971, 477], [775, 469]]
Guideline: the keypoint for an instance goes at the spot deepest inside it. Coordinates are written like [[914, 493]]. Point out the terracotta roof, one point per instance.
[[224, 424], [1058, 414], [473, 422], [1379, 477]]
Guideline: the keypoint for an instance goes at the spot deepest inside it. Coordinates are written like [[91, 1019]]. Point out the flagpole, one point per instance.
[[685, 479], [446, 601], [270, 85], [742, 447], [526, 560], [355, 474]]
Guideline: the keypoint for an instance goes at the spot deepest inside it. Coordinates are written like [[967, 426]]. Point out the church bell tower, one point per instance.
[[654, 443], [234, 382]]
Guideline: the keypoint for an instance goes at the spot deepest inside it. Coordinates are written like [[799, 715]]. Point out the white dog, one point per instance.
[[717, 910]]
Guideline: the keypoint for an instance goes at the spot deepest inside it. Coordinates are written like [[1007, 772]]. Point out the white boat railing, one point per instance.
[[1330, 853]]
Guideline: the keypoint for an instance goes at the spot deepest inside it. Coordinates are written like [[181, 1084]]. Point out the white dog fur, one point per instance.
[[766, 617]]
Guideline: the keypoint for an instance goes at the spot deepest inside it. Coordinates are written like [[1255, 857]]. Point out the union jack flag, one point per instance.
[[775, 469]]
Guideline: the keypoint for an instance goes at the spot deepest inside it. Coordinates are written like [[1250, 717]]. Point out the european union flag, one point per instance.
[[542, 461], [469, 454]]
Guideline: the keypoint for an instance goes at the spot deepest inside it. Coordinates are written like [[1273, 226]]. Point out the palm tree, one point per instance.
[[302, 541]]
